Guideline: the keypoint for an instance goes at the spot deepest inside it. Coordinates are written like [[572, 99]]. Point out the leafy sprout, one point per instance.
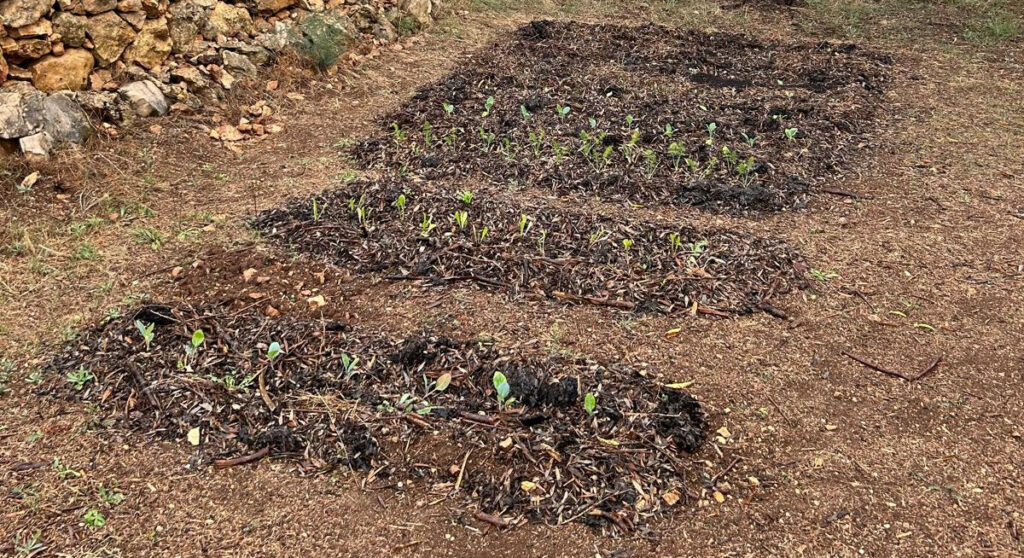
[[146, 331], [400, 204], [93, 518], [465, 196], [79, 377], [427, 225], [669, 130], [562, 111], [711, 133], [589, 403], [317, 211], [461, 219], [791, 133], [526, 113], [627, 243], [501, 387], [448, 108], [273, 351], [488, 105]]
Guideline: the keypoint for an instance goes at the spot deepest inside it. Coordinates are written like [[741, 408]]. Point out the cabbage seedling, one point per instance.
[[669, 130], [501, 387], [627, 243], [711, 133], [537, 141], [273, 351], [562, 111], [526, 114], [488, 138], [791, 133], [488, 105], [650, 163], [146, 331], [448, 108], [750, 140], [589, 403]]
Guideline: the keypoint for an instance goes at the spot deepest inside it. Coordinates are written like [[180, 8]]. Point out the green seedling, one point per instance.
[[428, 135], [465, 196], [317, 211], [110, 496], [348, 364], [363, 214], [650, 164], [524, 224], [400, 204], [675, 242], [711, 133], [451, 137], [449, 109], [526, 113], [427, 225], [273, 351], [630, 120], [488, 138], [537, 141], [678, 153], [627, 243], [791, 133], [559, 151], [562, 111], [146, 331], [482, 235], [593, 122], [501, 387], [397, 133], [488, 105], [669, 130], [589, 403], [79, 377], [823, 275], [461, 219], [750, 140], [600, 235], [94, 519], [65, 471]]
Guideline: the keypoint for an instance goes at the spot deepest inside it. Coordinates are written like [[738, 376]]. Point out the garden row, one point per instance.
[[552, 439], [645, 114], [407, 232]]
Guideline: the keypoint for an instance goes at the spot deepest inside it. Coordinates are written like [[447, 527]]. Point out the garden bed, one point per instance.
[[646, 114], [421, 411], [502, 244]]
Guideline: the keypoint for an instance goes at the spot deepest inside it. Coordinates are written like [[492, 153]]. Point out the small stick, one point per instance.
[[845, 194], [723, 472], [876, 367], [779, 409], [479, 419], [492, 519], [462, 469], [417, 420], [772, 310], [245, 459]]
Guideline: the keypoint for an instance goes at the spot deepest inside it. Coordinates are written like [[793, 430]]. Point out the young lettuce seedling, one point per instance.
[[273, 351], [791, 133], [488, 105], [448, 108], [461, 219], [400, 204], [562, 111], [427, 225]]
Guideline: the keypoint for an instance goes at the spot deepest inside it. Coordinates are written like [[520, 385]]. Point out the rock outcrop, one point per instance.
[[136, 58]]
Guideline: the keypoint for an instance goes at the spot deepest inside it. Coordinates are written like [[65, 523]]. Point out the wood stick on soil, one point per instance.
[[845, 194], [927, 369], [492, 519], [479, 419], [462, 469], [242, 460]]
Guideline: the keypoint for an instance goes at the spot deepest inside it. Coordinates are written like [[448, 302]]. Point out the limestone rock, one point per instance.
[[110, 35], [41, 28], [25, 49], [71, 28], [238, 63], [186, 19], [54, 73], [419, 9], [64, 120], [154, 8], [135, 19], [91, 7], [3, 69], [18, 13], [229, 20], [273, 6], [39, 144], [21, 112], [152, 45], [144, 98]]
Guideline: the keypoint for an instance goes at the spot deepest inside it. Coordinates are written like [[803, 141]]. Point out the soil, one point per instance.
[[644, 114], [801, 448]]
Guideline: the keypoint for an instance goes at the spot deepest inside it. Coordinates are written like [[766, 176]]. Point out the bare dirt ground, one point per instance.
[[820, 455]]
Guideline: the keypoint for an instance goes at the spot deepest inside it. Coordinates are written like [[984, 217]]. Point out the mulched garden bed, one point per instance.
[[719, 121], [421, 410], [502, 244]]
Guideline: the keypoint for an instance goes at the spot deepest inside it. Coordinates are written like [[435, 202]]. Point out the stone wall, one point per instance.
[[124, 58]]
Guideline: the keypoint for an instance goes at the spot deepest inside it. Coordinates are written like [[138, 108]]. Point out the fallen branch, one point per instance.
[[927, 369], [243, 460], [479, 419], [846, 194]]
